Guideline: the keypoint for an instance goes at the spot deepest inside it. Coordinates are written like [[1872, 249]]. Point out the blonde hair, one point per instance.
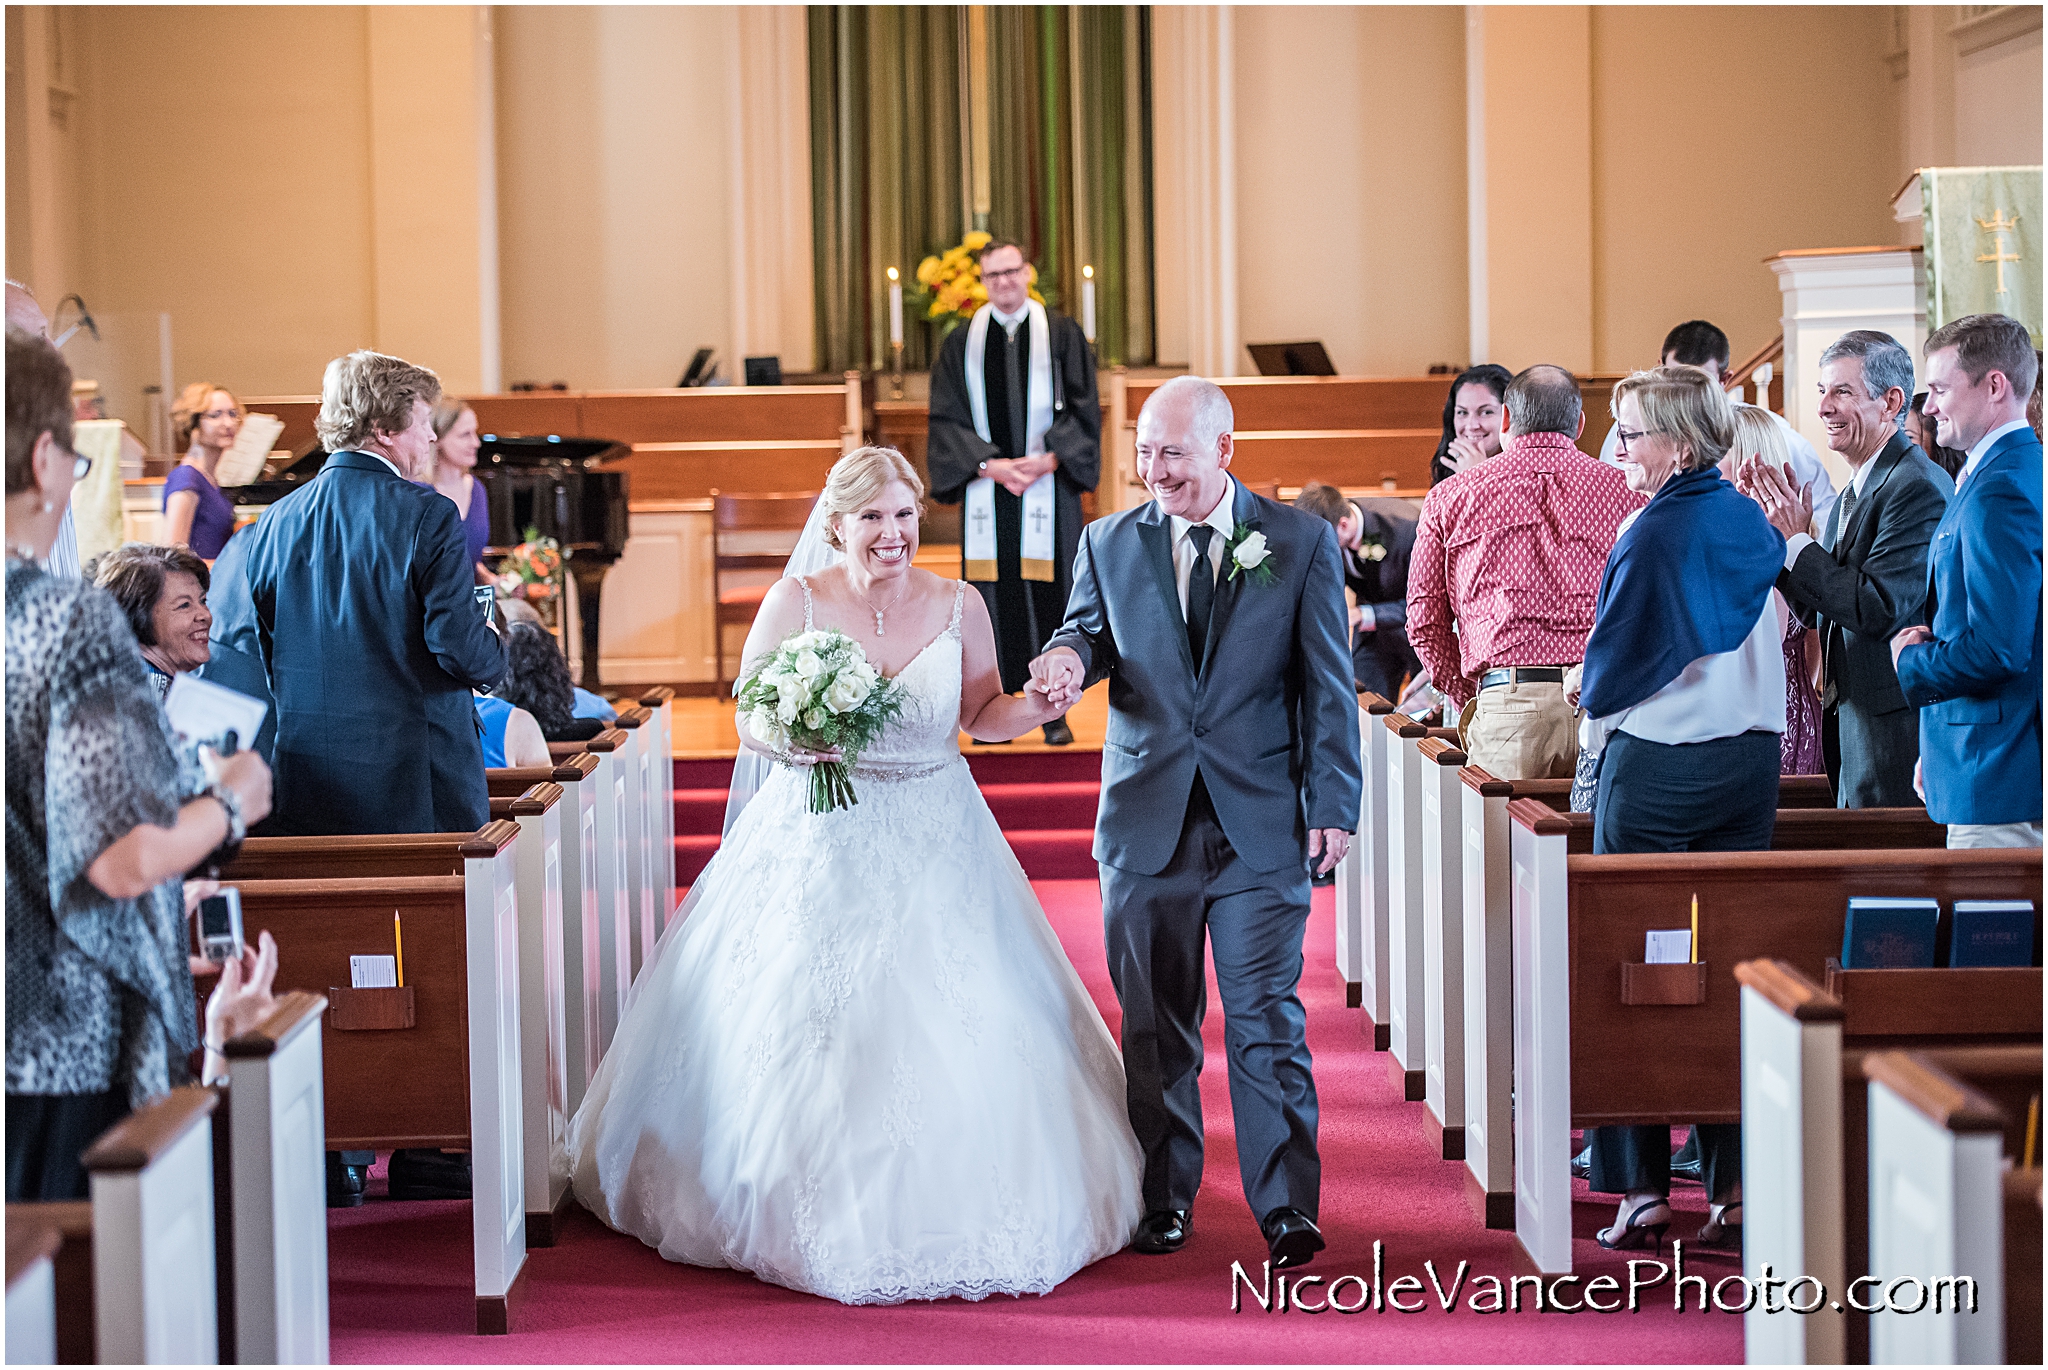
[[1684, 405], [448, 411], [368, 392], [1757, 435], [857, 478], [191, 403]]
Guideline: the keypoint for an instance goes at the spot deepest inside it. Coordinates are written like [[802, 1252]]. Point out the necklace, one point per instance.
[[878, 612]]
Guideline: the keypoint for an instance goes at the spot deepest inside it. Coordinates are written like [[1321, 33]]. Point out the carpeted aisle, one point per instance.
[[400, 1271]]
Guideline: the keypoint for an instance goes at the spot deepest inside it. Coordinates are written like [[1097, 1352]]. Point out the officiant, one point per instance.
[[1016, 435]]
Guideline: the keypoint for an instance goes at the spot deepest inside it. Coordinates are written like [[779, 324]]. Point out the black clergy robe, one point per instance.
[[1025, 612]]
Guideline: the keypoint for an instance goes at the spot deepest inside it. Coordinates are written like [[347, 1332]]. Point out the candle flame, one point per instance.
[[1088, 272], [892, 273]]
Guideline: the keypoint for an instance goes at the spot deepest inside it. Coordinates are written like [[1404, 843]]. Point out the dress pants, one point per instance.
[[1522, 731], [1701, 796], [1154, 927]]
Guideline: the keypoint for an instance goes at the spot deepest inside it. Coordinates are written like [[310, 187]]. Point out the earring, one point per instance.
[[47, 506]]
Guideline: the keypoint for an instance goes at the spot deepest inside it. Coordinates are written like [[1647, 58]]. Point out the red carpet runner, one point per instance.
[[400, 1271]]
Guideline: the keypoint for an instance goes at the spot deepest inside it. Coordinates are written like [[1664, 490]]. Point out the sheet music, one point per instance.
[[242, 463]]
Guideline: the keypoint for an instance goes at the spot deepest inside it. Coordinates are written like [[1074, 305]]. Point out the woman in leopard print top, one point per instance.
[[100, 1008]]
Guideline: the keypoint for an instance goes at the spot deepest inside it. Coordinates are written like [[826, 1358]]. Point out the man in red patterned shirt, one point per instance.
[[1512, 551]]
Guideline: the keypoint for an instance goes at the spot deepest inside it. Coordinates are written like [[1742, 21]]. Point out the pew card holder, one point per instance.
[[369, 1010], [1678, 983]]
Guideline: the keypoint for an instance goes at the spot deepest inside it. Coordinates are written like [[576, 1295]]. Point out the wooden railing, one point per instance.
[[1743, 384]]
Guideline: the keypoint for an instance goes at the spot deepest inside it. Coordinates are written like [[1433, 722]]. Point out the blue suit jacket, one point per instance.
[[360, 583], [1270, 719], [1979, 682]]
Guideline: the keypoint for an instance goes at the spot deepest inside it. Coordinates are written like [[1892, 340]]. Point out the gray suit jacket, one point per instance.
[[1861, 583], [1270, 720]]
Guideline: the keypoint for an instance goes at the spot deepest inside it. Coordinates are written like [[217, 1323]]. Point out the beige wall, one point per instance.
[[615, 191], [1722, 136], [1350, 182]]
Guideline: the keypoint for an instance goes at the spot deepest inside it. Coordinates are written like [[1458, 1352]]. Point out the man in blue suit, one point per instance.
[[360, 586], [1976, 671]]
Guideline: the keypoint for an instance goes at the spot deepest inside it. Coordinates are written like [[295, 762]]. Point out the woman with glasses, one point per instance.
[[102, 824], [205, 420]]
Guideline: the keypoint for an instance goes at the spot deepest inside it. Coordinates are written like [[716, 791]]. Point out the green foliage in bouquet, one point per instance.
[[819, 691]]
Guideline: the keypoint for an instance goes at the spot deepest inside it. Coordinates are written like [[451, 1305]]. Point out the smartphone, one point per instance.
[[220, 926]]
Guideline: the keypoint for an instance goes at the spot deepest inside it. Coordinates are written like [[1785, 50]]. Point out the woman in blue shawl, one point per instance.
[[1684, 696]]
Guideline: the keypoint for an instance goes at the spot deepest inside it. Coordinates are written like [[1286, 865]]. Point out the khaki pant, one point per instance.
[[1976, 836], [1523, 731]]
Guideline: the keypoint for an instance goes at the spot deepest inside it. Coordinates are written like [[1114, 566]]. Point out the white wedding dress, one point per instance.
[[862, 1066]]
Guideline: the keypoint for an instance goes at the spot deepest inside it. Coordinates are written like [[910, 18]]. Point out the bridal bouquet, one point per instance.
[[819, 691]]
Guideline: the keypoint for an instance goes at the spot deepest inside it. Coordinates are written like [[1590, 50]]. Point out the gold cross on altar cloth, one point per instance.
[[1999, 225]]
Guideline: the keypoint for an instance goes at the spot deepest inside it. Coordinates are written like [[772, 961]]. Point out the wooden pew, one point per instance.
[[1441, 822], [272, 1134], [1406, 1035], [154, 1296], [1362, 881], [436, 1062], [537, 812], [588, 882], [636, 761], [660, 702], [32, 1291], [1939, 1213], [612, 827], [699, 470], [1487, 1033], [1600, 1038], [71, 1275], [1804, 1113]]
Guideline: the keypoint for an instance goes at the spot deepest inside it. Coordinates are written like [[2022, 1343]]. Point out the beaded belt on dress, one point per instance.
[[891, 774]]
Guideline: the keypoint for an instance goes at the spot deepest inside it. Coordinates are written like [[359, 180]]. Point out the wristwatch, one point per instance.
[[237, 830]]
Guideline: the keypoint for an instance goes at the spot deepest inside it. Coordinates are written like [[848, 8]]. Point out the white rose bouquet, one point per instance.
[[819, 691]]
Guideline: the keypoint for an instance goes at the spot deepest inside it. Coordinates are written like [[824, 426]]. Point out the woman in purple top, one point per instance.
[[205, 420], [455, 447]]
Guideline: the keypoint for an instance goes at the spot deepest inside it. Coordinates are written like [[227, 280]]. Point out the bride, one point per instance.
[[861, 1065]]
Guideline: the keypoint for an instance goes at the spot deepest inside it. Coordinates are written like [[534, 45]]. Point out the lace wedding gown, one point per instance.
[[862, 1065]]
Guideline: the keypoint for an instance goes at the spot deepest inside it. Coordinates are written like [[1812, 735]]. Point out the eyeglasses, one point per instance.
[[80, 464], [216, 415], [1003, 275], [1624, 439]]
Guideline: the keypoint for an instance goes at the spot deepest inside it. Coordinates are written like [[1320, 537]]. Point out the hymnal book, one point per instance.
[[1890, 934], [1992, 932], [242, 463]]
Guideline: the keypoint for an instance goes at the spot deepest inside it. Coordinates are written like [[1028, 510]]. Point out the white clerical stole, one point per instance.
[[1036, 558]]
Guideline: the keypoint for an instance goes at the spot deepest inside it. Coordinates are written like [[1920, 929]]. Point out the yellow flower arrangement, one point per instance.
[[949, 283]]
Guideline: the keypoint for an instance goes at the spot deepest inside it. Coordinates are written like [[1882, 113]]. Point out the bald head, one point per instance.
[[24, 313], [1544, 399], [1184, 445]]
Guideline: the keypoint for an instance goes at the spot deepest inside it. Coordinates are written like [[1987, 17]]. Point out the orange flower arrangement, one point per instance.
[[532, 571]]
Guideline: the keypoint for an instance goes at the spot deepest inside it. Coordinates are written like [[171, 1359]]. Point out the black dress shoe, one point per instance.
[[345, 1183], [423, 1174], [1058, 734], [1292, 1237], [1582, 1165], [984, 742], [1686, 1164], [1163, 1230]]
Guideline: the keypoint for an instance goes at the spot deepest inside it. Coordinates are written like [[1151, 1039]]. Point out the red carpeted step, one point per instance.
[[1008, 766], [693, 854], [1066, 804], [700, 811], [1055, 853], [703, 773]]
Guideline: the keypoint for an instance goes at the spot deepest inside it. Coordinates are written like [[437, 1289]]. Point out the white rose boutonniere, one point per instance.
[[1249, 555], [1372, 549]]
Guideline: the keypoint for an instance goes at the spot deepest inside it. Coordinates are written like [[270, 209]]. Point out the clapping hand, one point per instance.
[[1786, 503], [1057, 675]]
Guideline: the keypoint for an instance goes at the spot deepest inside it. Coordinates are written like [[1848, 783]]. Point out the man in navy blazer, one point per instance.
[[360, 585], [1976, 671]]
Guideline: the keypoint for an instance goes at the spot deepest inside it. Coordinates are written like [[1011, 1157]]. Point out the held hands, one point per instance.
[[1057, 677], [1786, 503], [1332, 844], [1908, 637], [1018, 475]]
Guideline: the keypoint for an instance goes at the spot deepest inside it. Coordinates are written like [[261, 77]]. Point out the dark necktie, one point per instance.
[[1201, 592], [1845, 505]]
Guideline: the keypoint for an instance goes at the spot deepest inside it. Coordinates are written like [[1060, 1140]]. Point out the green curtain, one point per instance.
[[889, 179]]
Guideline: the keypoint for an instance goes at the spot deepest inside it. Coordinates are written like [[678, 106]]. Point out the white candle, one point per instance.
[[895, 309], [1088, 302]]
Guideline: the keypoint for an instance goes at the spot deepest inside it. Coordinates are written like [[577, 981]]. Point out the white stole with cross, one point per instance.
[[1036, 559]]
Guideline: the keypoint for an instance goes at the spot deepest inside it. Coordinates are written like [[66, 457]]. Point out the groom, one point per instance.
[[1230, 770]]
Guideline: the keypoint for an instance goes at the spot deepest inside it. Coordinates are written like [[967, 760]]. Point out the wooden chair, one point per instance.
[[745, 518]]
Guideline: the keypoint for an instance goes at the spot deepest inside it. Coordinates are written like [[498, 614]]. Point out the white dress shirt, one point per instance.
[[1984, 444], [1222, 520], [1799, 542], [1009, 322], [1806, 464], [1724, 695], [381, 457]]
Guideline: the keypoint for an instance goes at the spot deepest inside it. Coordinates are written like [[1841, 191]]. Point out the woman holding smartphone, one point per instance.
[[100, 832]]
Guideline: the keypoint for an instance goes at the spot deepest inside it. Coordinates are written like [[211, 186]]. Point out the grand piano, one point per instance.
[[551, 484]]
